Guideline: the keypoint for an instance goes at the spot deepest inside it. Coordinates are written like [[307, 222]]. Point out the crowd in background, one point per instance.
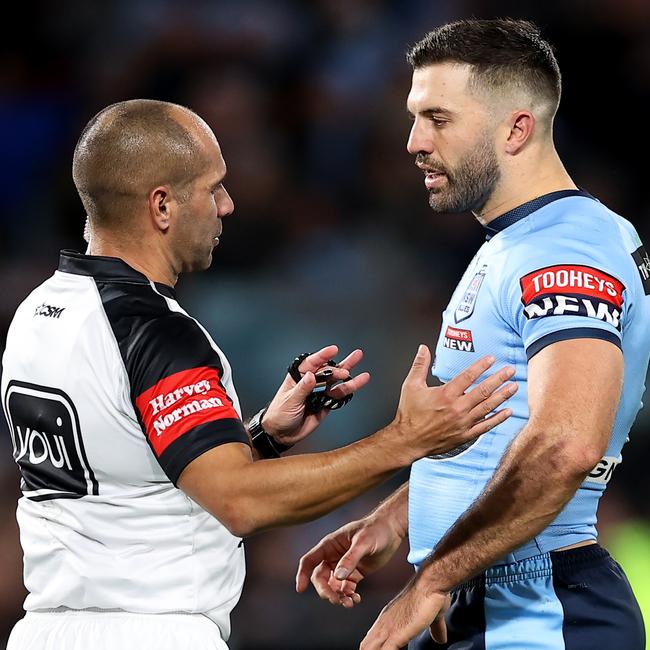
[[332, 239]]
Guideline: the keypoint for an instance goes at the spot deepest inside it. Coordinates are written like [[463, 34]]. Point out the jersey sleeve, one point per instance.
[[556, 293], [178, 394]]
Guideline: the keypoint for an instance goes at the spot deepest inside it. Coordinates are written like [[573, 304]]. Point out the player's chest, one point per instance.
[[472, 325]]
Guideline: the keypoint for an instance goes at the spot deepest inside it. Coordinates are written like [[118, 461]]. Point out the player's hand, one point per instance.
[[437, 420], [408, 614], [342, 559], [285, 418]]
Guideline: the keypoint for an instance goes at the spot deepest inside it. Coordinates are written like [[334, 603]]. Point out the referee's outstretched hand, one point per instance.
[[285, 418], [437, 420]]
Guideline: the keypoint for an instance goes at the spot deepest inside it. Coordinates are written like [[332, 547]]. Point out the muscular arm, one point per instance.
[[574, 391], [251, 496]]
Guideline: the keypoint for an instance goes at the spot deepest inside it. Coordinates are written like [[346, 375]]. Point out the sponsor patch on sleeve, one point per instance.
[[642, 261], [572, 290], [180, 402]]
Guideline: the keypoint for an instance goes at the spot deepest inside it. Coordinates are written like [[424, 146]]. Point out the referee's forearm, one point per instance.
[[264, 494]]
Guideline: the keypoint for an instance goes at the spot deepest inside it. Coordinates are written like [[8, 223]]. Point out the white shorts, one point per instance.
[[84, 630]]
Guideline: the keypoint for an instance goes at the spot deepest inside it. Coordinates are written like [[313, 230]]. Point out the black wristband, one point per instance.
[[262, 441]]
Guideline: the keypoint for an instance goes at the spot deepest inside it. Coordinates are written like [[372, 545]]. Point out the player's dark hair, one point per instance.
[[501, 52], [125, 151]]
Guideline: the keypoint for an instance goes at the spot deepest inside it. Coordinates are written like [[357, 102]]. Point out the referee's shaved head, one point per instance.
[[131, 147]]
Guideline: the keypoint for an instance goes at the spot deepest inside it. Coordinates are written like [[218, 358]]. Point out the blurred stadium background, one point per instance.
[[332, 239]]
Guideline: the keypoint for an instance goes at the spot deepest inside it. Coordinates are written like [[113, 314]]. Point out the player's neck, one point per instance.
[[525, 183], [155, 267]]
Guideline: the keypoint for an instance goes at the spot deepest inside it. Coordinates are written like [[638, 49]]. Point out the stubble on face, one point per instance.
[[470, 183]]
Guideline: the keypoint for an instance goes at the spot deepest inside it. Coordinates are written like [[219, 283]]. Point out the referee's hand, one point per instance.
[[285, 418]]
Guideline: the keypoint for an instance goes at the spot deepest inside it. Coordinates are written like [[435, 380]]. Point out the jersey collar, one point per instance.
[[106, 268], [522, 211]]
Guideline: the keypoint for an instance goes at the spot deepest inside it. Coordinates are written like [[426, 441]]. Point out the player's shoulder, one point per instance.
[[577, 228], [579, 219]]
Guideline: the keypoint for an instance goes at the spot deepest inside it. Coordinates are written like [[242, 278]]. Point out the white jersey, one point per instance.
[[110, 389]]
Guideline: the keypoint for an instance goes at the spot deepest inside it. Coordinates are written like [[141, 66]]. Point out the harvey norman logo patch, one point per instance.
[[572, 290], [457, 339], [181, 402]]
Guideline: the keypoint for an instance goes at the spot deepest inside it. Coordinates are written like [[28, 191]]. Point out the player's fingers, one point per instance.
[[420, 367], [493, 402], [346, 567], [486, 388], [318, 359], [461, 382], [308, 562], [320, 580], [347, 587], [349, 387], [489, 423]]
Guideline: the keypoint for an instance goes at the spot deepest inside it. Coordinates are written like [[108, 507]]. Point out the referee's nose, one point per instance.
[[225, 204]]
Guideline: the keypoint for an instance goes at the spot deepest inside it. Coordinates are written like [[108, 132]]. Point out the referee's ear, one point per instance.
[[522, 127], [161, 205]]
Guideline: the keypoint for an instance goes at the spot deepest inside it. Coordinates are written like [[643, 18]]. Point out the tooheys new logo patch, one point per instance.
[[572, 290], [180, 402], [457, 339]]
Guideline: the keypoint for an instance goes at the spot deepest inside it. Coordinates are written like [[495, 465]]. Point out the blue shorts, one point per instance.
[[578, 599]]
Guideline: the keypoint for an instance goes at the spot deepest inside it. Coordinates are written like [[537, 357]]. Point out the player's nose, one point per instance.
[[419, 140]]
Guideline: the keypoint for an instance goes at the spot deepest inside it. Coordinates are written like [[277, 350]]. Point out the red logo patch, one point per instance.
[[570, 290], [181, 402], [572, 280], [456, 339]]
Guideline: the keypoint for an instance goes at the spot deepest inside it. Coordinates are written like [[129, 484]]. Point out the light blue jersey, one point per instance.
[[559, 267]]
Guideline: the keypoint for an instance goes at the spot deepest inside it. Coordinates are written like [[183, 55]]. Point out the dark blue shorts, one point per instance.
[[565, 600]]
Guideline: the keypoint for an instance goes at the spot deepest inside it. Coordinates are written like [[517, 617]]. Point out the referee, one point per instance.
[[139, 477]]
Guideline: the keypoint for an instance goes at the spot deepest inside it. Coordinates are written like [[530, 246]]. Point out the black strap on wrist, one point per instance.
[[318, 399], [266, 446]]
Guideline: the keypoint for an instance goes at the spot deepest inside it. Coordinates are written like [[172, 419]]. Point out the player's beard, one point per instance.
[[471, 182]]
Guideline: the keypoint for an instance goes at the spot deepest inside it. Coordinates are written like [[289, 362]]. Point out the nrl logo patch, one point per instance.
[[466, 307]]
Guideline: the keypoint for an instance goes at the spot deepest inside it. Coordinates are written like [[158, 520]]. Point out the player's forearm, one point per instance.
[[538, 476], [394, 510]]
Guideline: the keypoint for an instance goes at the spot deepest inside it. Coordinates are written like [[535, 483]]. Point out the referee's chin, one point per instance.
[[198, 263]]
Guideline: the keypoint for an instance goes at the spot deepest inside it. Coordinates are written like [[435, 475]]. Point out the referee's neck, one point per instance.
[[156, 267]]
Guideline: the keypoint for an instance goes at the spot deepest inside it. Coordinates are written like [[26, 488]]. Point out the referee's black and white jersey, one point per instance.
[[110, 389]]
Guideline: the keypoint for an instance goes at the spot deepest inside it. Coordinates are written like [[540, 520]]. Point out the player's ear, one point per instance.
[[161, 206], [522, 125]]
